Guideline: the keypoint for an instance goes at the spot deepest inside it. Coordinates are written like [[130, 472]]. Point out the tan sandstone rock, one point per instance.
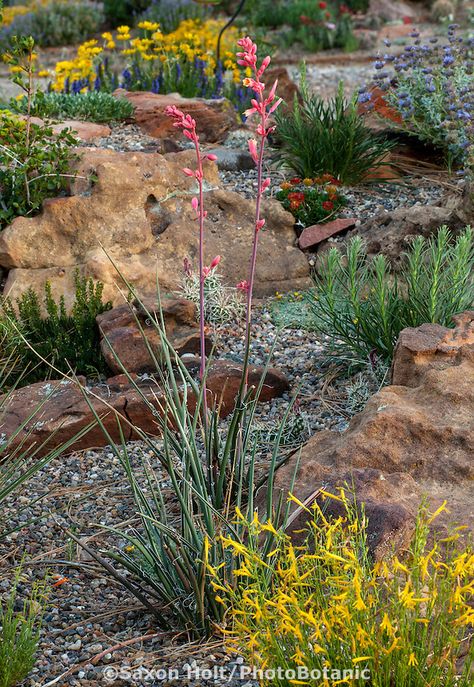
[[131, 212], [417, 436]]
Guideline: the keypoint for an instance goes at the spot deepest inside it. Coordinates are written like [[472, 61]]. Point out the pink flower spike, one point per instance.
[[275, 105], [188, 172], [271, 95], [265, 63], [250, 112], [260, 224], [211, 157], [189, 135], [195, 204], [266, 184], [242, 285], [253, 149], [215, 262]]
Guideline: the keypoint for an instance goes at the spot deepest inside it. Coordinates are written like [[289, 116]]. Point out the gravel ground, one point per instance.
[[88, 613]]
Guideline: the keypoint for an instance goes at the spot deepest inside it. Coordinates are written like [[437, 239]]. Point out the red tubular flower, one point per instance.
[[322, 5], [328, 205], [295, 180]]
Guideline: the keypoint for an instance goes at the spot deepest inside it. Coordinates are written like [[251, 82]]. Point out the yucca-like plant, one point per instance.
[[210, 465], [317, 137], [362, 306]]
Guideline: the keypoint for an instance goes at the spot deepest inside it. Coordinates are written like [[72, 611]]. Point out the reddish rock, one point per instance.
[[224, 376], [129, 334], [313, 235], [287, 89], [214, 118], [389, 503], [65, 408], [422, 428], [64, 412], [379, 105]]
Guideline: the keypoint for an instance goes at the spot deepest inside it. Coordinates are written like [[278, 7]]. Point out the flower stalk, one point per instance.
[[264, 107]]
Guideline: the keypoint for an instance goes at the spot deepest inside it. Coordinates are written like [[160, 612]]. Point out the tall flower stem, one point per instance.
[[264, 107], [188, 125]]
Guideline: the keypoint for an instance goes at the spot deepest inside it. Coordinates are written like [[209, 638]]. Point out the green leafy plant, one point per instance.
[[35, 163], [123, 11], [55, 24], [93, 106], [362, 306], [223, 304], [20, 633], [311, 201], [324, 607], [61, 339], [319, 136]]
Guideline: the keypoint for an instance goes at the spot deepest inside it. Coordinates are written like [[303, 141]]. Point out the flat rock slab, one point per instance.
[[214, 118], [61, 409], [313, 235]]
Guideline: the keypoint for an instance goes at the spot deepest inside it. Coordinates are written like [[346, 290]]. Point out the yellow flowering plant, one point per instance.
[[182, 61], [325, 607]]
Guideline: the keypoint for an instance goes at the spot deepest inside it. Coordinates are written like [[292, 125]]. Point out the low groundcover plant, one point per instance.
[[325, 613], [311, 200]]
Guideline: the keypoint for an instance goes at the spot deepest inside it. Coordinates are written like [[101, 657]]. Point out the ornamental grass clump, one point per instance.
[[209, 465], [431, 86], [361, 306], [319, 137], [325, 613]]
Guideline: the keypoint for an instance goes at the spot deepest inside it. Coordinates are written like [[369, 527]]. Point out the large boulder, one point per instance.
[[130, 214], [131, 341], [214, 118], [414, 438]]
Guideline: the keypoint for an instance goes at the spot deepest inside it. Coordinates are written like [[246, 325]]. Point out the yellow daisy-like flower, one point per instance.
[[149, 25]]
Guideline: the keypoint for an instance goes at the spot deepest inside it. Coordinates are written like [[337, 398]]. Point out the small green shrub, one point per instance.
[[92, 106], [19, 634], [223, 304], [63, 340], [35, 163], [55, 24], [319, 136], [362, 306]]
